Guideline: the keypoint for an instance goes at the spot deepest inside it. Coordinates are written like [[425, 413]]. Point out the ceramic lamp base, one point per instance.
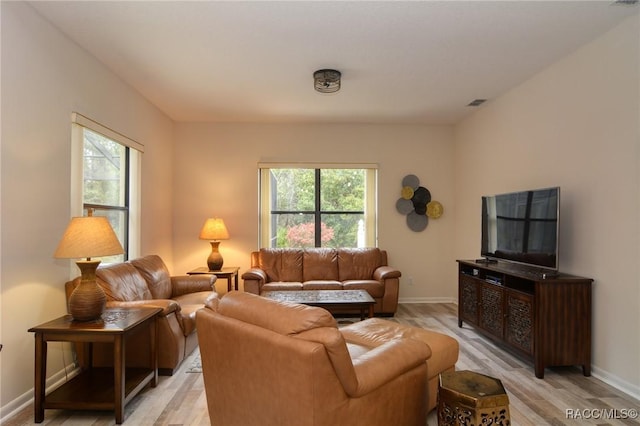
[[215, 258], [87, 301]]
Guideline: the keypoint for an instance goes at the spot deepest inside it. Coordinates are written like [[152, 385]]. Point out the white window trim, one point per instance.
[[105, 131], [135, 165]]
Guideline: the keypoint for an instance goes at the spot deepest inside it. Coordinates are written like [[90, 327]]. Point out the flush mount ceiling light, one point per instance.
[[326, 81]]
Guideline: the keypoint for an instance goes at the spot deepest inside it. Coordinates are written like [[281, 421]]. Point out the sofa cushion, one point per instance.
[[281, 264], [156, 274], [281, 286], [322, 285], [198, 298], [358, 263], [373, 287], [189, 305], [320, 264], [123, 282], [280, 317]]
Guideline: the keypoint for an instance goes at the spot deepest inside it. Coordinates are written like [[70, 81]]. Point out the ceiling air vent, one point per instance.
[[477, 102], [625, 3]]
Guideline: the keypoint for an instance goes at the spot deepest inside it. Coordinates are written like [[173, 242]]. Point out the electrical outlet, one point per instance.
[[410, 280]]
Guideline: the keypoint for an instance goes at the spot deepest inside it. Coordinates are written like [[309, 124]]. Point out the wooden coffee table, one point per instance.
[[328, 299]]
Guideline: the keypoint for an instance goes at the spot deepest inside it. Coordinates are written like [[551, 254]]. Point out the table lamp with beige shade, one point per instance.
[[214, 230], [87, 237]]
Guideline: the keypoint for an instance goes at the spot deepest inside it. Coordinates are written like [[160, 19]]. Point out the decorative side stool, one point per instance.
[[469, 398]]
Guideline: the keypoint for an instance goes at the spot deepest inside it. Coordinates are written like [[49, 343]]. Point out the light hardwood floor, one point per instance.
[[179, 400]]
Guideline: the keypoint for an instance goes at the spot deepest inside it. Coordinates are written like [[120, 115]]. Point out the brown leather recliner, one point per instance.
[[146, 282], [267, 363]]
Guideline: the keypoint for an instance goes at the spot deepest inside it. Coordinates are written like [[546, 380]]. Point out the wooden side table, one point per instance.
[[96, 388], [228, 273], [470, 398]]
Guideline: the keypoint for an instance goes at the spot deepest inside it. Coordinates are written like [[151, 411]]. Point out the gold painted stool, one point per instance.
[[469, 398]]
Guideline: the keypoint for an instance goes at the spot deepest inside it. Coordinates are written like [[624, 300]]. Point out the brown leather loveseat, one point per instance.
[[268, 363], [325, 269], [146, 282]]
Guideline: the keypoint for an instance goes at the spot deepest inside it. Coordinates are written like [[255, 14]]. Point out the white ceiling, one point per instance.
[[401, 61]]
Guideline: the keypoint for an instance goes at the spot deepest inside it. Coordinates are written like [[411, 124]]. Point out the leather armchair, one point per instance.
[[270, 363], [146, 282]]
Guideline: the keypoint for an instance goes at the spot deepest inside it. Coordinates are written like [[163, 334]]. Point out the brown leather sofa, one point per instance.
[[326, 269], [146, 282], [267, 363]]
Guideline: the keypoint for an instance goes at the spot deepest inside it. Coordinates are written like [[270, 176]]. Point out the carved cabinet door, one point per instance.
[[468, 303], [492, 309], [519, 320]]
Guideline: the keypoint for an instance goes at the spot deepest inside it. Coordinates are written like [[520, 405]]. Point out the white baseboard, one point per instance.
[[26, 399], [618, 383], [402, 300]]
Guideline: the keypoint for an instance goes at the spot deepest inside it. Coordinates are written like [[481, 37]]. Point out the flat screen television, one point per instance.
[[522, 227]]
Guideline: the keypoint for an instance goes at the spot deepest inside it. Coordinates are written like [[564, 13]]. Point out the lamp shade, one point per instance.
[[88, 236], [214, 229]]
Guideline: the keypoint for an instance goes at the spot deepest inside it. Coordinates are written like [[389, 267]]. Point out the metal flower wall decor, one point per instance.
[[415, 202]]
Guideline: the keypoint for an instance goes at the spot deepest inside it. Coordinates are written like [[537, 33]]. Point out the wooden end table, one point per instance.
[[227, 273], [96, 388]]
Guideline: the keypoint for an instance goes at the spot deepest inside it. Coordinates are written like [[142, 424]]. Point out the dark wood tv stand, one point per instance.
[[543, 316]]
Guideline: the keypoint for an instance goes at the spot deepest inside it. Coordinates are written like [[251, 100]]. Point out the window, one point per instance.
[[107, 181], [317, 205]]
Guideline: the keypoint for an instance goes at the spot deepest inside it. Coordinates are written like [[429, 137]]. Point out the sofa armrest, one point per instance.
[[185, 284], [384, 272], [166, 305], [255, 274], [384, 363], [254, 279], [212, 302]]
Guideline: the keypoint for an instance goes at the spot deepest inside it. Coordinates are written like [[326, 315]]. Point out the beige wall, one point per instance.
[[576, 125], [44, 78], [216, 174]]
